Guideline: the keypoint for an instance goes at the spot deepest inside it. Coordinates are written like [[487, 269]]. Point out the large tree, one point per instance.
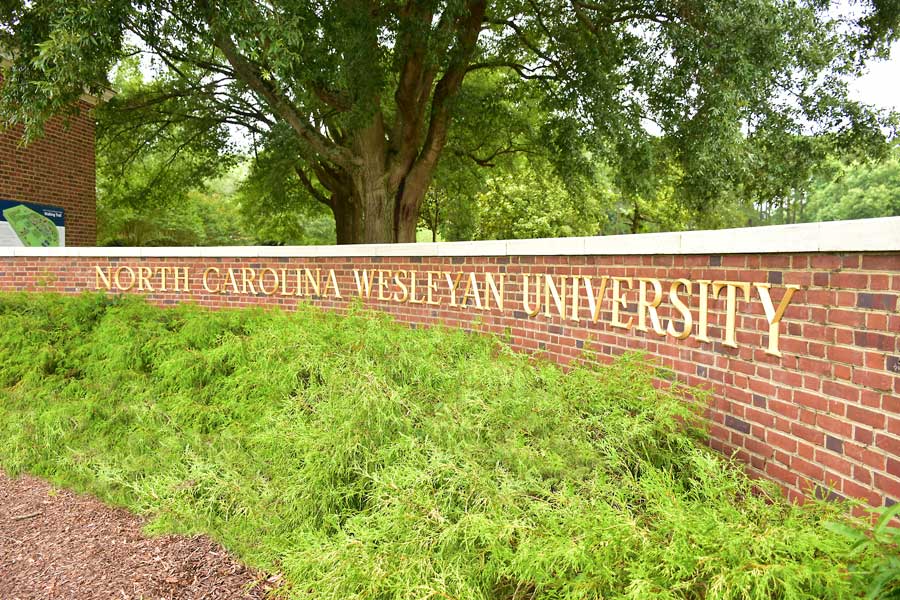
[[361, 96]]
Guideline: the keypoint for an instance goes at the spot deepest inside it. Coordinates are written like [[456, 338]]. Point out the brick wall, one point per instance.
[[823, 418], [57, 169]]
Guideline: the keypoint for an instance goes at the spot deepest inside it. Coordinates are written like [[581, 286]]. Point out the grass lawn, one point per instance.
[[366, 460]]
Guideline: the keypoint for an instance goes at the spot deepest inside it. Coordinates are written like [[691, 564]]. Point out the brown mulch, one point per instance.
[[56, 544]]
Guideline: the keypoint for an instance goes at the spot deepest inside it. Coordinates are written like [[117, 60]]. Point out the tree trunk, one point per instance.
[[378, 216], [410, 198], [375, 214], [636, 219], [369, 182], [347, 220], [434, 226], [407, 220]]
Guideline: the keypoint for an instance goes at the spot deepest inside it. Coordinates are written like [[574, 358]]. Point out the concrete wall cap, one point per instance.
[[864, 235]]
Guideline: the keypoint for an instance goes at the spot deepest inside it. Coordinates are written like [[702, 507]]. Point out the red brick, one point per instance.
[[893, 467], [807, 468], [814, 401], [808, 433], [781, 441], [844, 372], [871, 339], [812, 365], [849, 280], [822, 297], [850, 318], [781, 474], [864, 455], [851, 261], [37, 173], [843, 354], [824, 261], [834, 462], [758, 447], [877, 321], [889, 444], [840, 390], [862, 475], [881, 262], [863, 435], [890, 485], [891, 403], [870, 398], [851, 489], [867, 417], [873, 379]]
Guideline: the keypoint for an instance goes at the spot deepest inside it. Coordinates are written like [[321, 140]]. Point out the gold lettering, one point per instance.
[[118, 282], [703, 312], [363, 284], [230, 280], [309, 281], [682, 308], [453, 284], [576, 298], [206, 280], [558, 295], [532, 312], [163, 277], [262, 281], [383, 283], [490, 289], [412, 289], [284, 278], [143, 277], [100, 276], [432, 287], [471, 287], [731, 288], [618, 299], [595, 301], [248, 276], [773, 316], [331, 282], [403, 294], [181, 275], [644, 308]]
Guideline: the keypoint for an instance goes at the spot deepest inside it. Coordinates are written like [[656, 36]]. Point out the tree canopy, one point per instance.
[[855, 191], [359, 102]]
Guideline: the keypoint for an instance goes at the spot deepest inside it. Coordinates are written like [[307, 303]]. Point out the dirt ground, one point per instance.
[[56, 544]]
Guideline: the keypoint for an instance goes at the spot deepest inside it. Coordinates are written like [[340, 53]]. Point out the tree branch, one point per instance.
[[251, 74], [488, 161], [412, 92], [523, 71], [308, 184], [447, 87]]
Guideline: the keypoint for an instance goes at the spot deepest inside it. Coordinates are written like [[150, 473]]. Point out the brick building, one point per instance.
[[57, 170]]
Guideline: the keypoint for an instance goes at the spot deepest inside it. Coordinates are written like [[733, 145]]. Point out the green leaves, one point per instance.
[[714, 93], [883, 578], [856, 191], [443, 465]]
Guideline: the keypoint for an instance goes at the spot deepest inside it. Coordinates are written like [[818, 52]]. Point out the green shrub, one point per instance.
[[366, 460]]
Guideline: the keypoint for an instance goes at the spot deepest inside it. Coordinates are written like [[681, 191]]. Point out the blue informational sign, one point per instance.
[[33, 225]]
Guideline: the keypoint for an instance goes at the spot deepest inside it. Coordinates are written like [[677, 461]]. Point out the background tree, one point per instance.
[[368, 91], [275, 205], [166, 185], [858, 191], [197, 219]]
